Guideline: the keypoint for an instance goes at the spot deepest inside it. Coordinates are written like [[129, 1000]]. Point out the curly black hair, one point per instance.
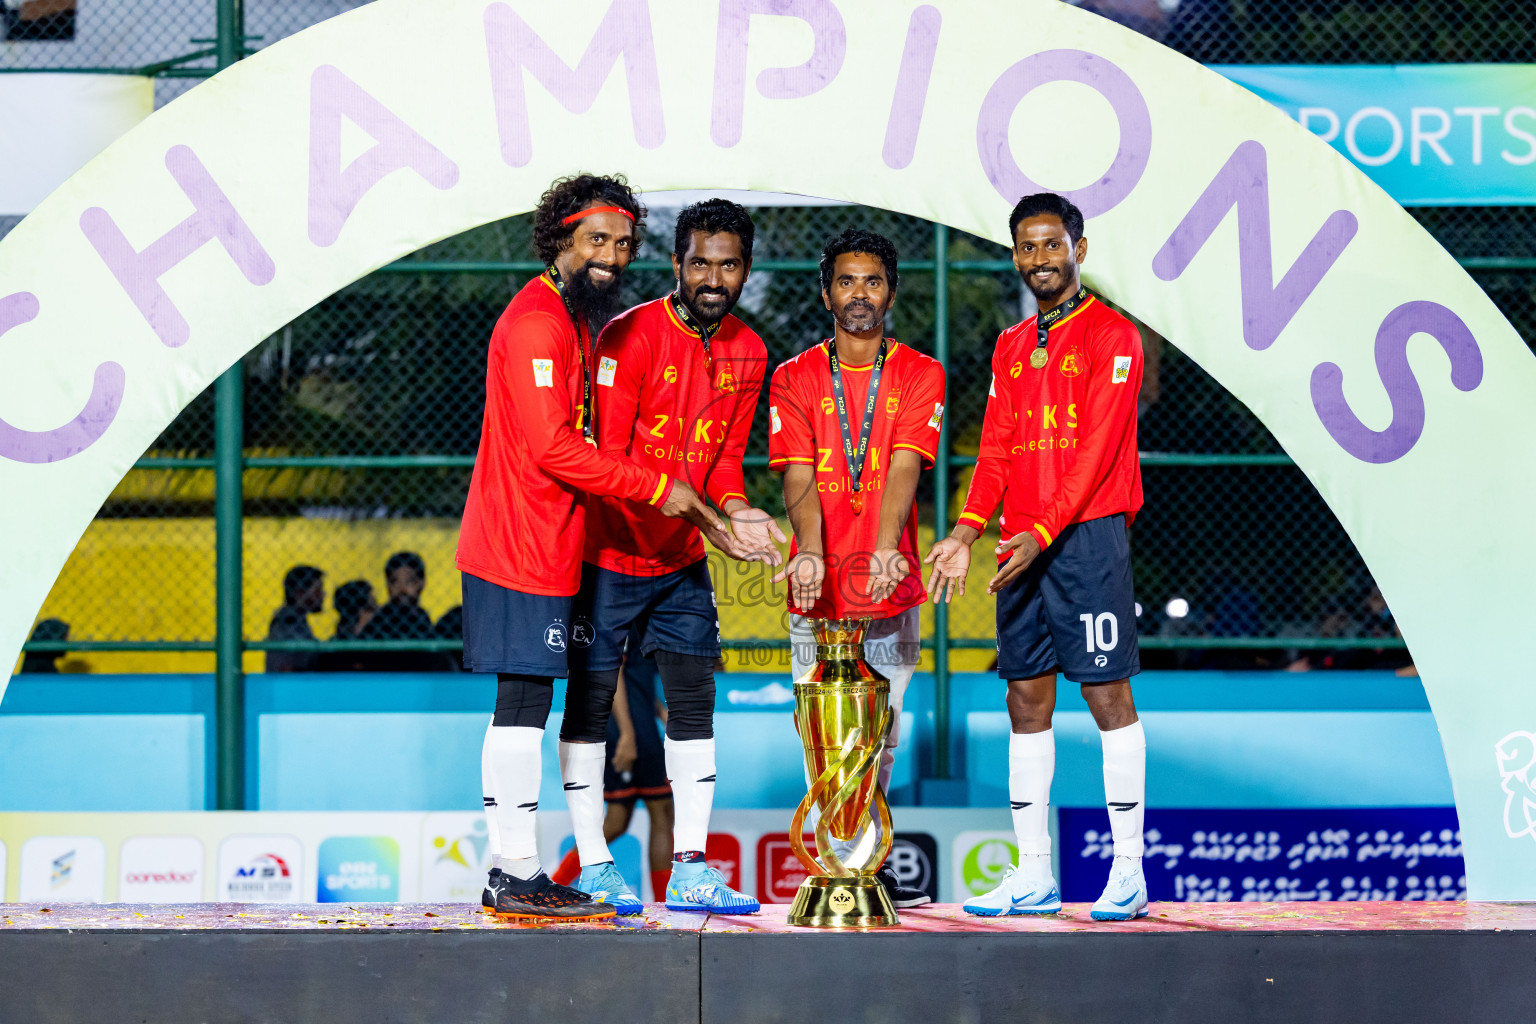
[[858, 240], [713, 217], [1051, 204], [566, 196]]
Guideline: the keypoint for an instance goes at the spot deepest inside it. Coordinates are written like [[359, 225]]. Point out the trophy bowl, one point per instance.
[[842, 713]]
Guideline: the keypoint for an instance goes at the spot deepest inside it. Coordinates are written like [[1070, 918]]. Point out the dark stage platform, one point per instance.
[[374, 963]]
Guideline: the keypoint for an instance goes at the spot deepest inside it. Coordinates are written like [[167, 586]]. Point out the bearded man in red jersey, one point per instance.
[[677, 386], [1058, 451], [853, 423], [523, 531]]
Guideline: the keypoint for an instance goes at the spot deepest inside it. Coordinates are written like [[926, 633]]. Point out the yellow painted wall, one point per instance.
[[153, 579]]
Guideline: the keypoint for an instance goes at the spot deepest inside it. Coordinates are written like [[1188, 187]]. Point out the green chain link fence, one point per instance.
[[361, 418]]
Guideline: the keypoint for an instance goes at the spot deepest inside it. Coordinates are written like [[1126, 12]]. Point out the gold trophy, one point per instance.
[[843, 715]]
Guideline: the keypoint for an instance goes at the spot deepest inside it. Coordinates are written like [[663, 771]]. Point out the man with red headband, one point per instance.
[[521, 541]]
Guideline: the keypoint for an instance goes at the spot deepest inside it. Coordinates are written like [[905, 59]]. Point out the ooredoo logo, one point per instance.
[[359, 869], [160, 869]]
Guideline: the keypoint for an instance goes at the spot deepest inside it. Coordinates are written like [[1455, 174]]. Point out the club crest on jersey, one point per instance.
[[606, 368], [1071, 363], [937, 417], [543, 373], [892, 402], [582, 633], [669, 375], [828, 407], [726, 382], [1122, 370], [775, 423], [554, 636]]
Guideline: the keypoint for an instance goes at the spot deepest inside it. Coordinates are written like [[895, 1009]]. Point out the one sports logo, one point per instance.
[[554, 636], [670, 375], [1517, 767]]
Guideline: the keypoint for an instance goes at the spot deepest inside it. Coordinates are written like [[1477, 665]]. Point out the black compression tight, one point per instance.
[[523, 700]]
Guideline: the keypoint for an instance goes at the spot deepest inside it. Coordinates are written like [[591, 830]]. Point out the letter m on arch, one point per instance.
[[514, 47], [1243, 182]]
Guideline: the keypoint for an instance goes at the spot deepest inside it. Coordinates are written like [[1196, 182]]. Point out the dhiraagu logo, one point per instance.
[[359, 869], [980, 858]]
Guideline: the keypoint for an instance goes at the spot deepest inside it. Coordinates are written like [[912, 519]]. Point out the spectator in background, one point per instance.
[[402, 618], [50, 631], [1358, 617], [451, 627], [355, 608], [303, 595]]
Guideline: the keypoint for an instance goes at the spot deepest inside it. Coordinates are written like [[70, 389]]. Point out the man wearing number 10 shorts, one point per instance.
[[1058, 451]]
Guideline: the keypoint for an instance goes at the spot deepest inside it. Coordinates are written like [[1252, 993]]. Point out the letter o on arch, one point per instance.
[[1099, 74]]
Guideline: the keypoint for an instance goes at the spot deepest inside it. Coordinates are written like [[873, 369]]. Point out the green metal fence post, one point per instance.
[[941, 506], [229, 394]]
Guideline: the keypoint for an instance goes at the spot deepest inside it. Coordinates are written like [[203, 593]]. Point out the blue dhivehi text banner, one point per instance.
[[1429, 134], [1216, 855]]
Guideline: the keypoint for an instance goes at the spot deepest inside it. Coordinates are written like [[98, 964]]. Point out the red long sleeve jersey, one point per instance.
[[524, 519], [665, 405], [1058, 445], [803, 428]]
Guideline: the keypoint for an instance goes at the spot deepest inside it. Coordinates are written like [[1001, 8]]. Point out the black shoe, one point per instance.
[[540, 898], [492, 885], [902, 897]]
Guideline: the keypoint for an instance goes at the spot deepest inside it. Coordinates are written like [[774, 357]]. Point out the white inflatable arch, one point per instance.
[[1374, 359]]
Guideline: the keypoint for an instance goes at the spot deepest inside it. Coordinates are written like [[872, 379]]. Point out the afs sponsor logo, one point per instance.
[[260, 869], [1516, 755], [779, 871], [64, 869], [980, 858], [359, 869], [457, 857], [160, 869]]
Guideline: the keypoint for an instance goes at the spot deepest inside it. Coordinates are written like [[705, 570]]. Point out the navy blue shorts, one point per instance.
[[647, 778], [1073, 610], [674, 612], [510, 631]]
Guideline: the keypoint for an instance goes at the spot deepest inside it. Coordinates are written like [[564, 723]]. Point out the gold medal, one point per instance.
[[1038, 358], [856, 499]]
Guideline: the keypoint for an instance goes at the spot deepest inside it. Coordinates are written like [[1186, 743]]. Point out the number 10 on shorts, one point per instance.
[[1102, 633]]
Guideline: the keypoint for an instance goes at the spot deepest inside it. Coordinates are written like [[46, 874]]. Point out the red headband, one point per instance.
[[589, 211]]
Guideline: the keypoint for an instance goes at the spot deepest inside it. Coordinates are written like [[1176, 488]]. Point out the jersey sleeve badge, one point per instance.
[[773, 419], [1122, 370], [607, 366], [543, 373], [937, 417]]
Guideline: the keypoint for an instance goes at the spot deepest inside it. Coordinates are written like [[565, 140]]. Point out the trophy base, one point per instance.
[[827, 901]]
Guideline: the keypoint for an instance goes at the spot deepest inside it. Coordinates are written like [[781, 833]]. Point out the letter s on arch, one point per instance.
[[43, 446], [1399, 437]]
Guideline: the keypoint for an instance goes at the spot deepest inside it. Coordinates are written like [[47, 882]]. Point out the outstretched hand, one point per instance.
[[1024, 550], [951, 561], [805, 572], [757, 531]]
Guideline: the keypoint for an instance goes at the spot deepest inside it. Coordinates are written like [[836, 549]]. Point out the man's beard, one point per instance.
[[594, 303], [859, 317], [1057, 286], [711, 304]]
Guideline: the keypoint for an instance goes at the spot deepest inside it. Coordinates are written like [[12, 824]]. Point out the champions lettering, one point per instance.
[[624, 37]]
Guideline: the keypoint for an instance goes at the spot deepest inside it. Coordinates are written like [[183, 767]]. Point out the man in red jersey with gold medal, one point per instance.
[[852, 424], [1058, 452], [677, 386]]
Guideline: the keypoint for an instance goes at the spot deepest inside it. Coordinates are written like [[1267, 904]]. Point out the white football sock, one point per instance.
[[1125, 786], [691, 770], [581, 769], [488, 794], [515, 769], [1031, 767]]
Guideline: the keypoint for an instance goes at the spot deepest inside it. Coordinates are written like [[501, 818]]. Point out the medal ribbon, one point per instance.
[[705, 333], [856, 458], [1045, 321], [587, 408]]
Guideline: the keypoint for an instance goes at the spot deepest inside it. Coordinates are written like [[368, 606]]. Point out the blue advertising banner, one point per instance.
[[1205, 856], [1430, 134]]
